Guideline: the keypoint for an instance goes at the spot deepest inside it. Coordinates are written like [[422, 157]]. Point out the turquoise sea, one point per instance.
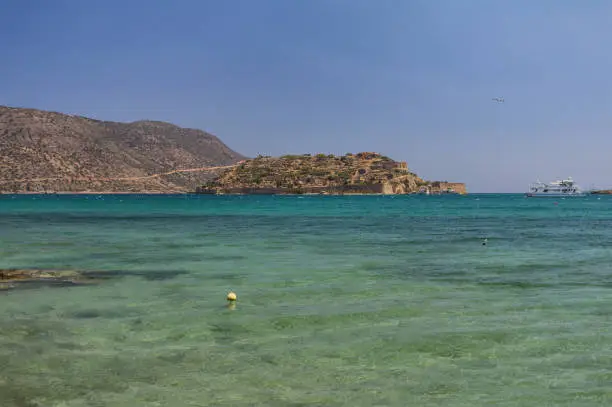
[[342, 301]]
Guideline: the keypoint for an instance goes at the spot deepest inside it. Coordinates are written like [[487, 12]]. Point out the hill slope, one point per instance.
[[362, 173], [80, 152]]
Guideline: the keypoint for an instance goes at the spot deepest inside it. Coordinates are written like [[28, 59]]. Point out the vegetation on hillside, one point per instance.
[[293, 173], [43, 151]]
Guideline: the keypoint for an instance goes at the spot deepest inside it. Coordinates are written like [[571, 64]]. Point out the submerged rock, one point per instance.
[[34, 278], [28, 274], [31, 278]]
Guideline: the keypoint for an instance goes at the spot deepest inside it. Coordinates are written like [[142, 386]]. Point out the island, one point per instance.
[[361, 173]]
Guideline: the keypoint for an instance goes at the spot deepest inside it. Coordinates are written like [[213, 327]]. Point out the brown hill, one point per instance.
[[362, 173], [53, 152]]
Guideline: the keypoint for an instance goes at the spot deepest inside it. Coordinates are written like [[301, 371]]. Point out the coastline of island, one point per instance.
[[364, 173]]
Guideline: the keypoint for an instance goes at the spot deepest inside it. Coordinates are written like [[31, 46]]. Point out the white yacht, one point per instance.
[[561, 188]]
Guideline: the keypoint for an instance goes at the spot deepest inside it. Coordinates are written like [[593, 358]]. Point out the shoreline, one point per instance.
[[221, 194]]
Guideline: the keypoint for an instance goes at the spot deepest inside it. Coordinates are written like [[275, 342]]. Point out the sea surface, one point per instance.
[[342, 301]]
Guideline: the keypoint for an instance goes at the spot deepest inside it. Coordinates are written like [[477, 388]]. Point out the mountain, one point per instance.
[[43, 151], [361, 173]]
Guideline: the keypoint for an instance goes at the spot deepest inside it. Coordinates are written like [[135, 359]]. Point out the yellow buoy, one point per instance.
[[231, 296]]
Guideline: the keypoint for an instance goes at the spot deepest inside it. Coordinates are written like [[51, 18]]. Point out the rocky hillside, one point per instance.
[[44, 151], [326, 174]]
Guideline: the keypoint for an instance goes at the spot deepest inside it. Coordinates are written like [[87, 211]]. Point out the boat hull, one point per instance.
[[553, 195]]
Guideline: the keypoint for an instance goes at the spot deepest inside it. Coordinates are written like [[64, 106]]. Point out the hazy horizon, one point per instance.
[[414, 80]]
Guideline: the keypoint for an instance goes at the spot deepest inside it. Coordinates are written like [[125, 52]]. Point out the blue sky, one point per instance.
[[408, 78]]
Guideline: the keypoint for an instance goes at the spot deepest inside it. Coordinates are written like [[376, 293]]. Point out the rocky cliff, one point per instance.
[[43, 151], [362, 173]]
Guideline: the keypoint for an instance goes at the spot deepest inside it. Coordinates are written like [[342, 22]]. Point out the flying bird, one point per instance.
[[499, 100]]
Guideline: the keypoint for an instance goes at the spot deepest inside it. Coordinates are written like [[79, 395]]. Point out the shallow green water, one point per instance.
[[342, 301]]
